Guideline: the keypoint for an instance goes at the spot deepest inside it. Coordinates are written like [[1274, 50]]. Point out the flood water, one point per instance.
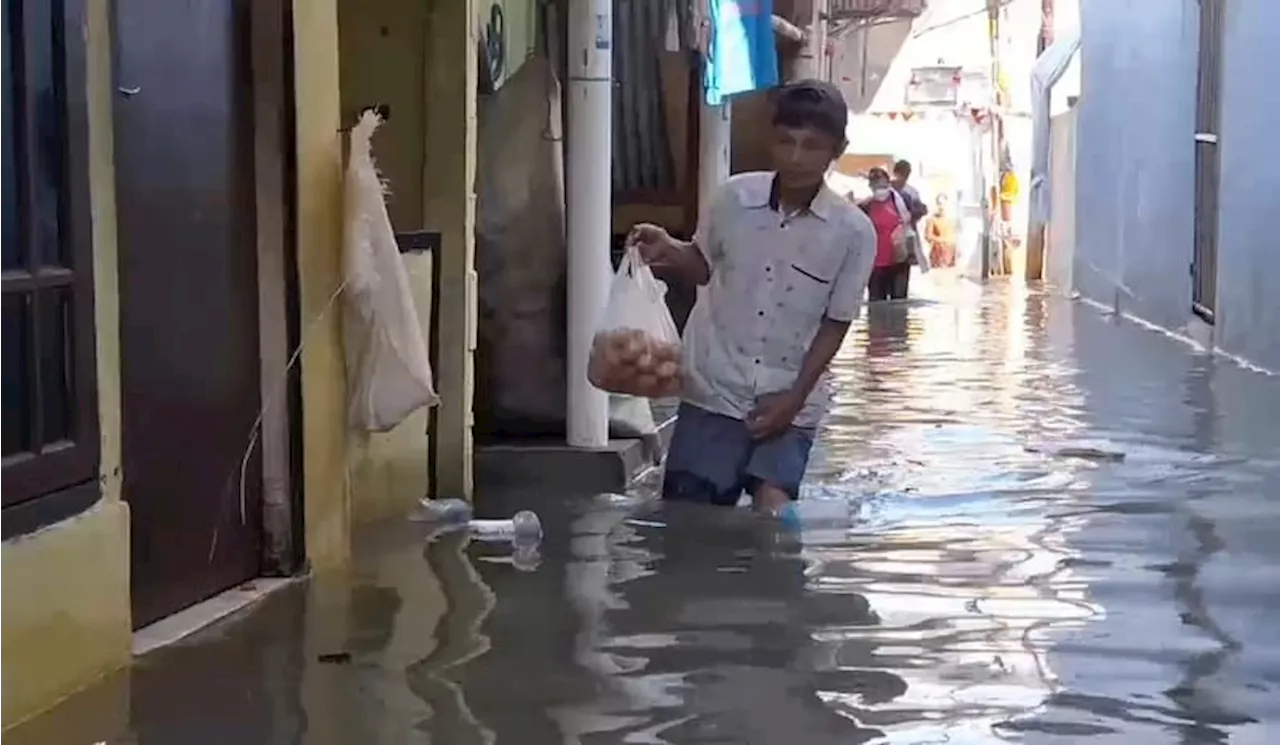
[[1025, 522]]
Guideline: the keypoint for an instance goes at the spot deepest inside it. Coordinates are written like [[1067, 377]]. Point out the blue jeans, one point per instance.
[[713, 458]]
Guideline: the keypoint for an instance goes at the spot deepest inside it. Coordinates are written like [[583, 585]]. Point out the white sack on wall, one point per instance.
[[388, 371]]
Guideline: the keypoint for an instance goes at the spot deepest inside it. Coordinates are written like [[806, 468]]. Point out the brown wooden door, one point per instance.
[[188, 297]]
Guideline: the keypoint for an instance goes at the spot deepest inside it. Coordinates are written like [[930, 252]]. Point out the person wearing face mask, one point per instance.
[[891, 272]]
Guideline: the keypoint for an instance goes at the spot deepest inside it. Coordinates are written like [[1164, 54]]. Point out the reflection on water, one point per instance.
[[955, 582]]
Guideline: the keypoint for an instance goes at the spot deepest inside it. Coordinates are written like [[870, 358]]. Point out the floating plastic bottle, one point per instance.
[[523, 527], [444, 512], [525, 557]]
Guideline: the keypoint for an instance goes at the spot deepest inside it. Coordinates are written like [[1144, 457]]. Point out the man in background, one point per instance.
[[915, 204]]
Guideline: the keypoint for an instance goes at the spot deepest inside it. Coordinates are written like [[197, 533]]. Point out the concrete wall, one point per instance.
[[66, 611], [1249, 275], [449, 207], [1060, 241], [1136, 165], [1134, 156], [417, 56], [520, 30], [66, 587]]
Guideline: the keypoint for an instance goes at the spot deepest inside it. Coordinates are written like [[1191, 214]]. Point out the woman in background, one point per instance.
[[891, 272], [940, 232]]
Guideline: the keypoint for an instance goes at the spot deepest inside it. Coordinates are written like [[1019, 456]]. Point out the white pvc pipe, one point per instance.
[[589, 209], [714, 142]]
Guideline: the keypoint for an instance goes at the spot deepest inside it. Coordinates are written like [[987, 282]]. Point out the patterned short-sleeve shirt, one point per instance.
[[774, 277]]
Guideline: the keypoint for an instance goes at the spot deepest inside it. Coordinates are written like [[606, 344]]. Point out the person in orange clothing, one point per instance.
[[940, 232]]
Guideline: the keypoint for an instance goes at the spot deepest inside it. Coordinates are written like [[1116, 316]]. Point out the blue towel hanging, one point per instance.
[[741, 54]]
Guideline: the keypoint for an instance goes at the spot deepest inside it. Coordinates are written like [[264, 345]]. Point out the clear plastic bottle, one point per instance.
[[444, 512], [523, 527], [525, 557]]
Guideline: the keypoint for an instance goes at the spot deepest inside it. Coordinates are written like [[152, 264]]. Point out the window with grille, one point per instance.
[[50, 431]]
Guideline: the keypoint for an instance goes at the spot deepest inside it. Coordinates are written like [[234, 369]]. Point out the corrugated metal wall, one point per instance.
[[641, 153]]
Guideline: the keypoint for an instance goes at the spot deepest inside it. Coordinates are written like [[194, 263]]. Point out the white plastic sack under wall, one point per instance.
[[521, 260], [388, 371]]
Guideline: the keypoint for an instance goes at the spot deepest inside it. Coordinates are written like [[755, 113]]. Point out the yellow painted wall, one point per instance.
[[66, 615], [66, 608], [450, 209], [411, 56], [383, 60], [319, 142], [56, 642], [389, 469]]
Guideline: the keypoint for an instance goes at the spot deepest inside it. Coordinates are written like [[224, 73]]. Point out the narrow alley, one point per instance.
[[1025, 521]]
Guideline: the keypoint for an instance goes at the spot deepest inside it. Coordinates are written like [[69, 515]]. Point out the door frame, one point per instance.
[[1204, 249], [278, 429], [279, 432]]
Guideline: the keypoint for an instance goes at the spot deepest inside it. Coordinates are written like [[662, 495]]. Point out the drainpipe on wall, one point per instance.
[[991, 190], [589, 206], [1037, 232]]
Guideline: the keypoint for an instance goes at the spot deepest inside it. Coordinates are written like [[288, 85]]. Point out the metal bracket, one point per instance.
[[418, 242]]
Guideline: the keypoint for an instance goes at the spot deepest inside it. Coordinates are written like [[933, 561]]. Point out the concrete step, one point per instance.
[[541, 464]]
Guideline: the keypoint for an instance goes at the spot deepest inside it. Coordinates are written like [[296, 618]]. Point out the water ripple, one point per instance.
[[1022, 523]]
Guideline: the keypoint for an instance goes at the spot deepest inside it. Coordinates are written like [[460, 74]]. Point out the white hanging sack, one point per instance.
[[388, 371]]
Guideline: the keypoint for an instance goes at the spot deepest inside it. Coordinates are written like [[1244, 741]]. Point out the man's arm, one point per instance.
[[821, 351], [693, 261], [917, 206], [845, 304], [683, 260]]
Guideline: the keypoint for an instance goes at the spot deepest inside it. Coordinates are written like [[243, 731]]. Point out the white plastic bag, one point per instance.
[[388, 371], [636, 349], [630, 417], [906, 239]]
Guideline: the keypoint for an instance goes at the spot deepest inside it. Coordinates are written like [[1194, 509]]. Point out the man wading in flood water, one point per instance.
[[785, 261]]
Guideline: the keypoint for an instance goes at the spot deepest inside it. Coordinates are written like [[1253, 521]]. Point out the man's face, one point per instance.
[[900, 178], [801, 155]]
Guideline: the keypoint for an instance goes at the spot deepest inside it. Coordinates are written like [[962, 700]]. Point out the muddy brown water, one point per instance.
[[1024, 522]]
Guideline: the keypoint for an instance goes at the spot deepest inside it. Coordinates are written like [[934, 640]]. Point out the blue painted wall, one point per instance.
[[1135, 168], [1248, 238]]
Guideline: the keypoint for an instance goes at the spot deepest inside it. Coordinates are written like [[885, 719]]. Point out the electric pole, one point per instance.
[[991, 194]]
